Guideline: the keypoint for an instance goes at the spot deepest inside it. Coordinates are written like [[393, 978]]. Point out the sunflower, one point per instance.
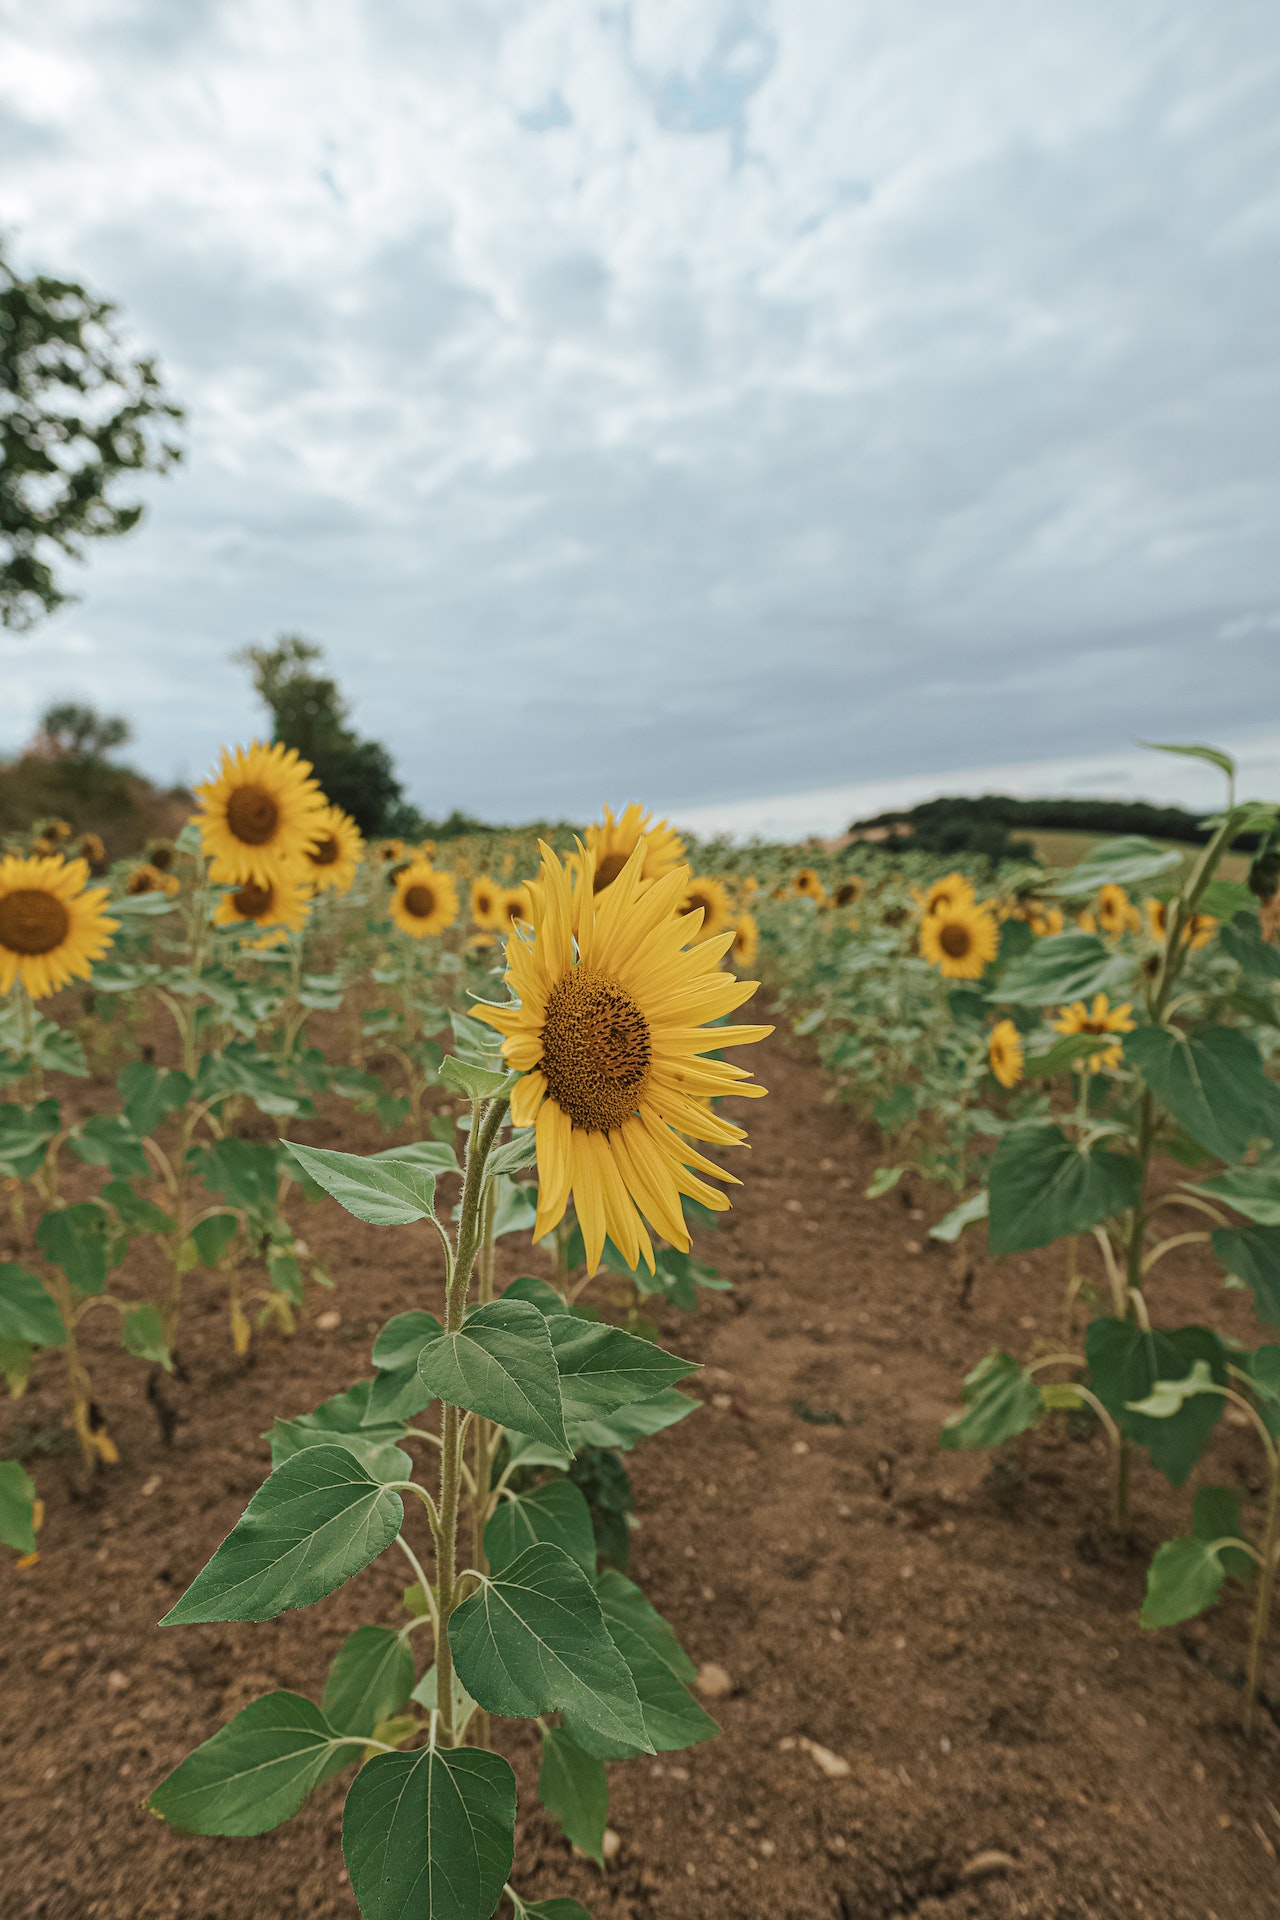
[[1102, 1017], [148, 879], [1004, 1053], [708, 897], [390, 850], [952, 890], [425, 900], [959, 938], [849, 892], [1044, 921], [280, 902], [1198, 931], [607, 1034], [613, 841], [514, 905], [261, 812], [746, 940], [1086, 922], [91, 850], [486, 901], [52, 925], [160, 855], [1114, 911], [330, 863], [807, 884]]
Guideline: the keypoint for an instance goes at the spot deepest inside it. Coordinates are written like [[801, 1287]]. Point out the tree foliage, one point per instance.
[[76, 414]]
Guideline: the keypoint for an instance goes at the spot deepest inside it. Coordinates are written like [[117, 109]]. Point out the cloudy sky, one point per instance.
[[689, 399]]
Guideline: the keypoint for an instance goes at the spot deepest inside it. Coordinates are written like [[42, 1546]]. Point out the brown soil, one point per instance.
[[962, 1638]]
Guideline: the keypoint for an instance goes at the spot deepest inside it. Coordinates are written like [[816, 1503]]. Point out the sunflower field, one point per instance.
[[543, 1043]]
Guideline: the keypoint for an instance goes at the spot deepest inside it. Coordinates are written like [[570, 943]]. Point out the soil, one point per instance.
[[936, 1700]]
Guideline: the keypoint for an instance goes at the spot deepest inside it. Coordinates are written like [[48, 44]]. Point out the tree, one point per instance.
[[76, 413], [309, 712], [72, 731]]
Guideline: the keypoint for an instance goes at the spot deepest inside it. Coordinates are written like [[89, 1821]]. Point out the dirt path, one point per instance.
[[1000, 1737]]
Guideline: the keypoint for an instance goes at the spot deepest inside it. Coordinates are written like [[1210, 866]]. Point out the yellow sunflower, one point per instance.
[[613, 841], [1004, 1053], [486, 901], [91, 849], [952, 890], [281, 903], [708, 897], [52, 925], [514, 905], [1086, 922], [149, 879], [331, 861], [746, 940], [390, 850], [260, 813], [849, 892], [607, 1033], [1043, 920], [425, 900], [960, 938], [160, 855], [1102, 1017], [1197, 932], [1114, 911], [807, 884]]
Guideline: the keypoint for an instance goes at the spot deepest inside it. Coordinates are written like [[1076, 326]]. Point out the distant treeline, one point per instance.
[[988, 825]]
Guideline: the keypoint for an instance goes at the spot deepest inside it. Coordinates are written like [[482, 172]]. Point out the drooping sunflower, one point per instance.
[[807, 884], [53, 926], [149, 879], [332, 860], [514, 905], [706, 896], [1102, 1017], [849, 891], [281, 903], [425, 900], [746, 940], [952, 890], [607, 1032], [960, 938], [260, 813], [614, 840], [486, 901], [1004, 1053]]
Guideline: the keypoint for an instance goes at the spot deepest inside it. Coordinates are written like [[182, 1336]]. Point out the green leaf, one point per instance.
[[346, 1420], [25, 1136], [1252, 1191], [533, 1640], [660, 1668], [895, 1109], [431, 1156], [477, 1083], [319, 1518], [538, 1293], [562, 1909], [1125, 861], [385, 1193], [284, 1274], [370, 1680], [500, 1364], [1211, 1080], [1263, 1368], [1253, 1255], [970, 1210], [635, 1422], [403, 1338], [213, 1236], [27, 1311], [75, 1239], [556, 1512], [1067, 1051], [515, 1154], [883, 1180], [105, 1140], [1184, 1578], [427, 1694], [1000, 1401], [17, 1507], [1124, 1365], [245, 1172], [1043, 1187], [602, 1368], [430, 1835], [1215, 1515], [476, 1040], [15, 1364], [1061, 968], [515, 1208], [134, 1211], [255, 1772], [573, 1789], [1242, 943], [142, 1335], [1214, 756], [1168, 1397]]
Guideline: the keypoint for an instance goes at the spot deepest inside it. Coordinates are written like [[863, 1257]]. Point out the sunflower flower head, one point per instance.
[[486, 900], [280, 903], [746, 940], [148, 879], [1114, 912], [260, 812], [613, 840], [514, 905], [1004, 1053], [333, 858], [425, 901], [1100, 1018], [608, 1032], [960, 938], [53, 926], [952, 890], [849, 891], [809, 887], [707, 897]]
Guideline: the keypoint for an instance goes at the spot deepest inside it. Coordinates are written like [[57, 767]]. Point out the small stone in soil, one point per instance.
[[329, 1321], [713, 1683]]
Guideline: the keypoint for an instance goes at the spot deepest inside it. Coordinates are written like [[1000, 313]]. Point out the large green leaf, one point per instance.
[[142, 1335], [370, 1679], [243, 1172], [1124, 1365], [106, 1140], [556, 1512], [253, 1773], [17, 1507], [24, 1137], [432, 1156], [321, 1517], [403, 1338], [1000, 1400], [213, 1236], [134, 1211], [149, 1095], [1253, 1255], [1252, 1191], [533, 1640], [75, 1239], [573, 1789], [346, 1420], [602, 1368], [27, 1311], [385, 1193], [636, 1422], [1242, 942], [1061, 968], [1126, 861], [1194, 751], [430, 1835], [1212, 1082], [1044, 1186], [1184, 1578], [500, 1364], [660, 1668]]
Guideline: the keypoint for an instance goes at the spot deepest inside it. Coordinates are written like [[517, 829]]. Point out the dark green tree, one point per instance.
[[76, 414], [70, 730], [308, 712]]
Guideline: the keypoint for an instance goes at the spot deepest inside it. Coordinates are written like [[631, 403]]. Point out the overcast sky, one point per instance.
[[678, 399]]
